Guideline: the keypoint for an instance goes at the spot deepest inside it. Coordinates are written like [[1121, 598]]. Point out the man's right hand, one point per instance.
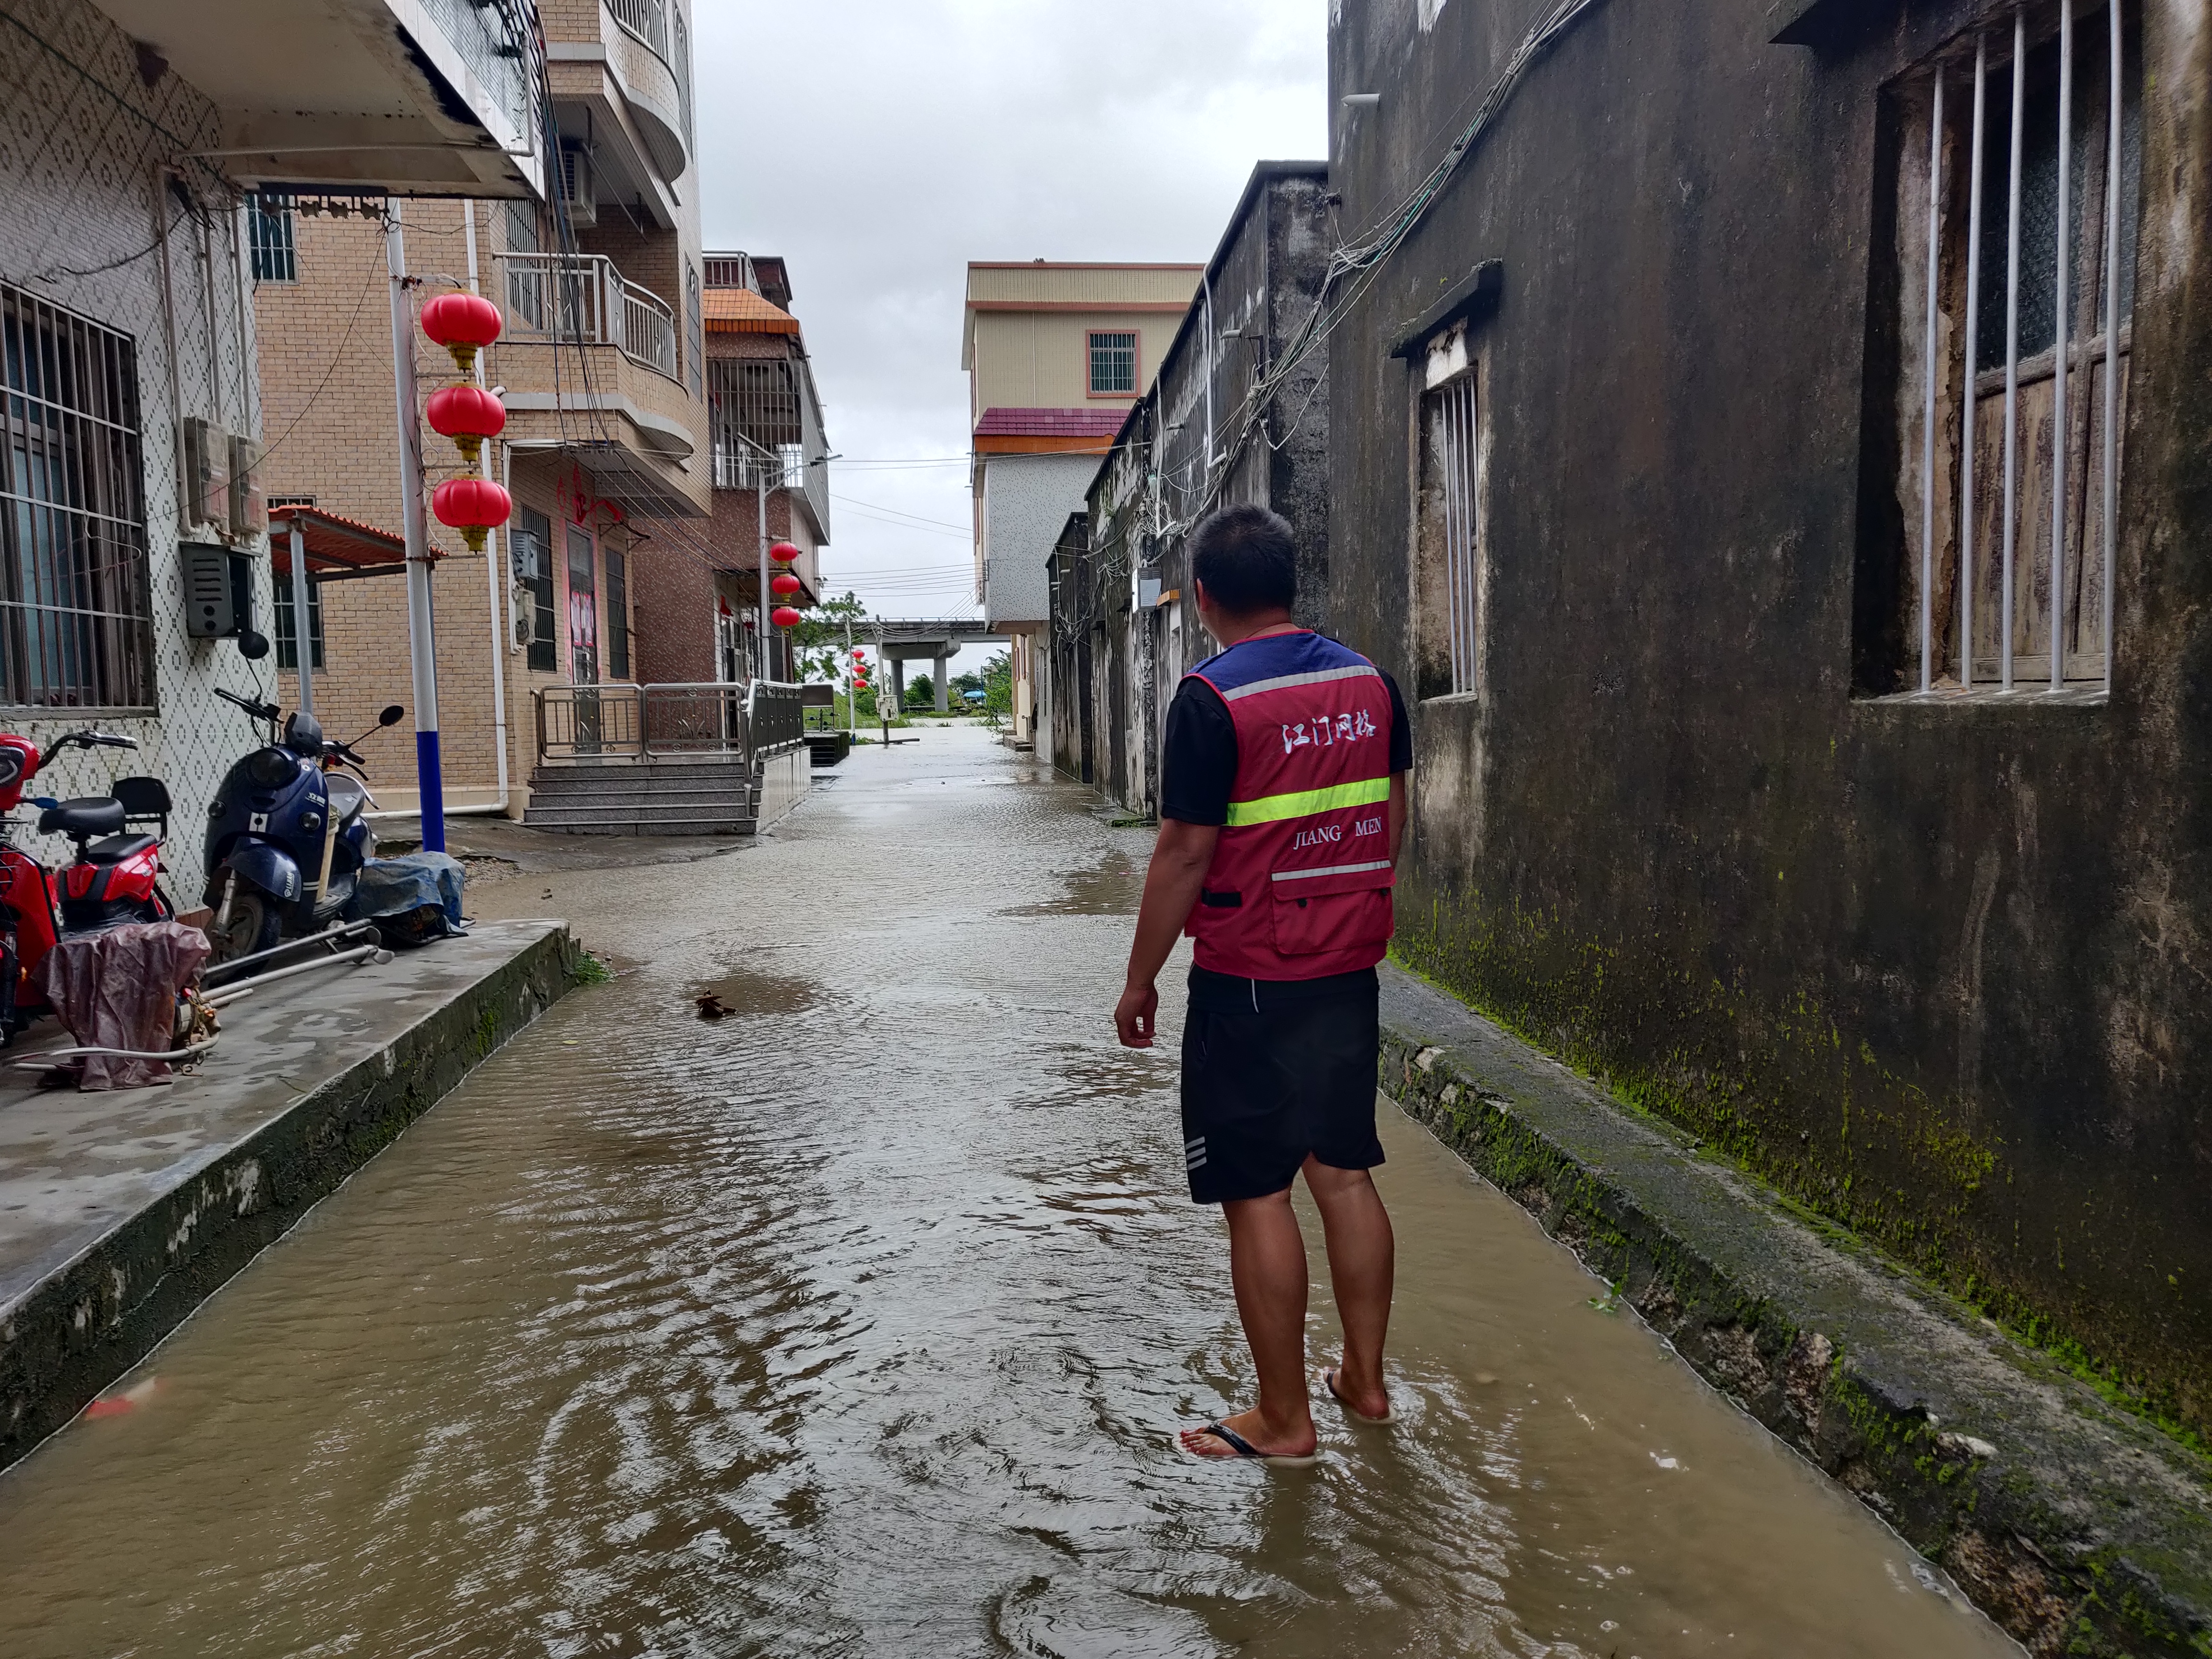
[[1135, 1015]]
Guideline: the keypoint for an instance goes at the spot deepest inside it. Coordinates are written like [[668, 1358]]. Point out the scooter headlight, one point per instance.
[[271, 768]]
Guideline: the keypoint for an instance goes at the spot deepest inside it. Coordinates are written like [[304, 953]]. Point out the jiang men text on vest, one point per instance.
[[1300, 883]]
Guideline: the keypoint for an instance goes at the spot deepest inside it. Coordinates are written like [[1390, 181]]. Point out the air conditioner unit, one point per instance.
[[578, 185], [249, 507], [203, 474]]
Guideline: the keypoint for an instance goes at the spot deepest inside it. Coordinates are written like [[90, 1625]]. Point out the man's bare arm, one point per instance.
[[1180, 858]]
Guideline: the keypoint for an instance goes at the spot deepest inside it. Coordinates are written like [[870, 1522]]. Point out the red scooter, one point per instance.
[[111, 880]]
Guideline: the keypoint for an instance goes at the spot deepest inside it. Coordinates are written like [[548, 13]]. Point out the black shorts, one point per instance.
[[1275, 1071]]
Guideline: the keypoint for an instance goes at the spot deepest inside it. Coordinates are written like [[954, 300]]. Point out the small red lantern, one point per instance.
[[783, 584], [463, 323], [783, 552], [472, 505], [784, 617], [468, 414]]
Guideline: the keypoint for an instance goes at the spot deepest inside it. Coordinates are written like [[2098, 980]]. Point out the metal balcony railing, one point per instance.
[[585, 301], [647, 20], [704, 719]]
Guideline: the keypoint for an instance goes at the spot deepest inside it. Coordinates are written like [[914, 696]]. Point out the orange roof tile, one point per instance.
[[741, 310]]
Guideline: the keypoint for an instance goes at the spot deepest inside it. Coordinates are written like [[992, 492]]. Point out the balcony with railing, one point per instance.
[[658, 26], [585, 300], [766, 427], [591, 364]]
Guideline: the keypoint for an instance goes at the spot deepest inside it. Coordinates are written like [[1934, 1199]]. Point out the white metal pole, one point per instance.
[[2112, 334], [1928, 412], [303, 651], [421, 633], [492, 560], [1973, 325], [2060, 444], [2012, 337]]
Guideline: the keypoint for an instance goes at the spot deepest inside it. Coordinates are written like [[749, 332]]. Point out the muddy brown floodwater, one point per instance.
[[859, 1322]]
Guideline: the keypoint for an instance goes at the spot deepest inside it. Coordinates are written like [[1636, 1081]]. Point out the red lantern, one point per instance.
[[783, 584], [784, 617], [468, 414], [783, 552], [463, 323], [472, 505]]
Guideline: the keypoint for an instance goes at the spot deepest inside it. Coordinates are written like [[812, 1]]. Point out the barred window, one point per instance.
[[1448, 543], [269, 234], [752, 405], [2015, 227], [531, 543], [287, 642], [76, 601], [1113, 365], [695, 340]]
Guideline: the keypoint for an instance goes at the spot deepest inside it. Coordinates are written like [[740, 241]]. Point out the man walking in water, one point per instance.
[[1282, 805]]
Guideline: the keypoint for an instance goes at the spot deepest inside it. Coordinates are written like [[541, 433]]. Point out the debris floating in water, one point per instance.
[[131, 1399], [711, 1006]]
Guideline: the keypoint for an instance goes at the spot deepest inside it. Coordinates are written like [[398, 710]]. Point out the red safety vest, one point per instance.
[[1300, 883]]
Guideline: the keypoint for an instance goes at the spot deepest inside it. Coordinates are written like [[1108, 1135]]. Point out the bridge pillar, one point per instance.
[[937, 679]]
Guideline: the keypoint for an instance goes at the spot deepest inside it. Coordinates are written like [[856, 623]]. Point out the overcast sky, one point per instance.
[[879, 145]]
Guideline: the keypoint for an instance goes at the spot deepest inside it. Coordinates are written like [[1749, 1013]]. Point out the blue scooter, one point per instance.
[[286, 836]]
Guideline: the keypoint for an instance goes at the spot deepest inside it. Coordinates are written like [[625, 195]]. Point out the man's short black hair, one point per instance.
[[1248, 559]]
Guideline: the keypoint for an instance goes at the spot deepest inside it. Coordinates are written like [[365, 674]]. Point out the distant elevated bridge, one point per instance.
[[931, 640]]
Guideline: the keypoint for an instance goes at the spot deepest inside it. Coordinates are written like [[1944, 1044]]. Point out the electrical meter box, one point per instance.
[[210, 610]]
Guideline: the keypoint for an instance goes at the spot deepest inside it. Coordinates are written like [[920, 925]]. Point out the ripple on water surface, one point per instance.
[[859, 1323]]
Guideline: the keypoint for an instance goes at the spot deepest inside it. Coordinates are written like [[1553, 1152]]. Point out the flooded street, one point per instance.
[[859, 1322]]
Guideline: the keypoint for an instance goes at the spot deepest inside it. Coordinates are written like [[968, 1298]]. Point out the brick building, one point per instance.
[[139, 424], [602, 370]]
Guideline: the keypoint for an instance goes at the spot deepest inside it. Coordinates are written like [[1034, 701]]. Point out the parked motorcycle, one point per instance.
[[113, 879], [286, 837]]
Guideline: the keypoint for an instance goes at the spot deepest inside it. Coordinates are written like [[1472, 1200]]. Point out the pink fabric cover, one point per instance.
[[118, 989]]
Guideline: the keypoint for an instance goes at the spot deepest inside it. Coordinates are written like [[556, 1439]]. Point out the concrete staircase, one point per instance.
[[646, 797]]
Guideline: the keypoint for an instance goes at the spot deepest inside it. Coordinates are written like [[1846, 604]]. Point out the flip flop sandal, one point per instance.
[[1329, 1381], [1243, 1447]]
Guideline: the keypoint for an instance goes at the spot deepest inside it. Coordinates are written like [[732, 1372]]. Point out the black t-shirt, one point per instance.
[[1199, 766]]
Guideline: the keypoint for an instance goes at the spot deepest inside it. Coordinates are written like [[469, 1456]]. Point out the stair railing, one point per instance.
[[692, 720]]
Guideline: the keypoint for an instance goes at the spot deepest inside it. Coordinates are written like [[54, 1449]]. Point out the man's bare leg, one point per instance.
[[1362, 1270], [1267, 1265]]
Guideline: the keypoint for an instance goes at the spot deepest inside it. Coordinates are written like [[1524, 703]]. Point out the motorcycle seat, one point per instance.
[[347, 797], [116, 848], [87, 815]]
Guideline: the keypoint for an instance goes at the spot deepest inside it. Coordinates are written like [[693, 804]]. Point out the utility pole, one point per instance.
[[760, 501], [303, 655], [852, 695], [421, 632], [501, 640]]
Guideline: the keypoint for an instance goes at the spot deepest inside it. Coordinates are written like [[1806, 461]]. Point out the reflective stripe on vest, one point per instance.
[[1304, 803]]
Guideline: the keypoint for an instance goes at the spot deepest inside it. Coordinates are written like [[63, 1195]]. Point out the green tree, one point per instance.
[[921, 692], [818, 641]]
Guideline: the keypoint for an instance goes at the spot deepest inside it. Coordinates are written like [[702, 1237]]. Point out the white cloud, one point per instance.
[[880, 145]]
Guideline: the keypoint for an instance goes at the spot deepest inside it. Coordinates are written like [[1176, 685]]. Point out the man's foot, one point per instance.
[[1363, 1405], [1293, 1447]]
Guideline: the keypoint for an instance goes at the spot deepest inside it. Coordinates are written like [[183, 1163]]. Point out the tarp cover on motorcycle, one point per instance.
[[118, 989], [414, 881]]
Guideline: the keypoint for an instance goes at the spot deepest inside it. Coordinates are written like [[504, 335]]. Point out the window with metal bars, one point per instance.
[[76, 601], [617, 613], [287, 642], [531, 542], [694, 337], [2020, 186], [752, 406], [1448, 538], [1113, 365], [269, 225]]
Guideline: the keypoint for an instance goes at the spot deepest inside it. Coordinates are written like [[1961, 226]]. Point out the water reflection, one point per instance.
[[861, 1324]]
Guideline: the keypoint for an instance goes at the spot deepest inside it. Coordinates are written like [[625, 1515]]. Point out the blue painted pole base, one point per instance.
[[430, 775]]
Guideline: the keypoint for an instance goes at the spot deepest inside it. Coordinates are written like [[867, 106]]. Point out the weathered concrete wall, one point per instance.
[[1935, 968]]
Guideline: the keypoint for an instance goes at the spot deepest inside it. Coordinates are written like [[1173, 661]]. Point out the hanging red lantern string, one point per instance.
[[784, 617], [468, 414], [783, 585], [783, 552], [462, 323], [472, 505]]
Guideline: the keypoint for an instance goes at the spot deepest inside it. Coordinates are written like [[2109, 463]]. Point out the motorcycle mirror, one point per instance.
[[392, 714], [251, 645]]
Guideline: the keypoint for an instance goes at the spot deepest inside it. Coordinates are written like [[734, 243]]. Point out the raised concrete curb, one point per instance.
[[2077, 1526], [128, 1210]]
